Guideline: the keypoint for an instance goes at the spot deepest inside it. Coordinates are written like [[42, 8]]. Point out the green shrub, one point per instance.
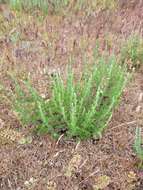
[[80, 108], [138, 146], [132, 52]]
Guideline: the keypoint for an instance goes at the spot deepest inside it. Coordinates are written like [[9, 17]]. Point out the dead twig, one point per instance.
[[126, 123], [92, 174], [59, 140]]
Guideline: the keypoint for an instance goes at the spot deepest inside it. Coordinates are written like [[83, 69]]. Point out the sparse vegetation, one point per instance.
[[55, 6], [138, 146], [81, 109], [132, 52]]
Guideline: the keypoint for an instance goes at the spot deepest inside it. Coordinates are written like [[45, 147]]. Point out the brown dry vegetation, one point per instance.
[[29, 46]]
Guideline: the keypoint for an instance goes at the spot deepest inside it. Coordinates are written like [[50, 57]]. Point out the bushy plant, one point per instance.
[[80, 108], [132, 51]]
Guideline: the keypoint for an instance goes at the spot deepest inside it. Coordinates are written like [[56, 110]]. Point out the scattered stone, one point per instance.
[[51, 185], [102, 182], [25, 140], [8, 136], [30, 183], [73, 165]]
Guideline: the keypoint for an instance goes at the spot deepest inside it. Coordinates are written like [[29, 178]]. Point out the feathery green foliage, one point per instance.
[[80, 108], [138, 146]]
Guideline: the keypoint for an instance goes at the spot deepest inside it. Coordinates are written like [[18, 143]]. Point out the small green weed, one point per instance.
[[80, 108], [138, 146], [132, 52]]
